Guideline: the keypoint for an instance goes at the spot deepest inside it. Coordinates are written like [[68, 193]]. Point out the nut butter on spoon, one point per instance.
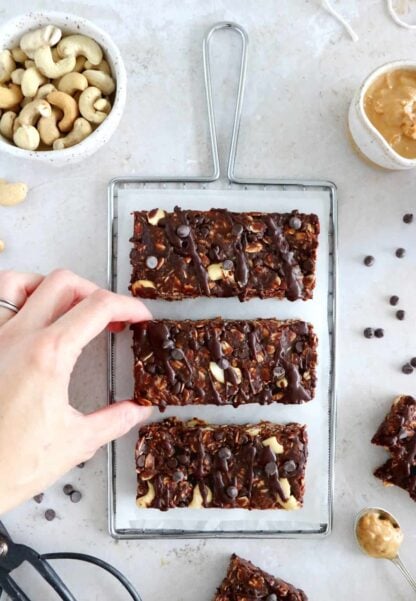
[[379, 535]]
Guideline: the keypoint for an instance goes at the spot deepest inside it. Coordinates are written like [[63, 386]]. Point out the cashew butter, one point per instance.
[[379, 536]]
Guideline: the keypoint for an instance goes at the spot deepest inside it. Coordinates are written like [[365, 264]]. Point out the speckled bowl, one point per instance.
[[10, 34]]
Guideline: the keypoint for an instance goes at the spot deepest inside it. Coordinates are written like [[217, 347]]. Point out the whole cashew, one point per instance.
[[44, 90], [81, 130], [100, 80], [47, 127], [17, 76], [46, 65], [72, 82], [86, 105], [10, 96], [6, 124], [33, 111], [7, 65], [18, 55], [26, 137], [103, 66], [31, 80], [102, 104], [11, 194], [45, 36], [77, 44], [68, 106], [80, 63]]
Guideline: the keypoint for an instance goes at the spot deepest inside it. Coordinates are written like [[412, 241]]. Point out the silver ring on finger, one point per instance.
[[4, 304]]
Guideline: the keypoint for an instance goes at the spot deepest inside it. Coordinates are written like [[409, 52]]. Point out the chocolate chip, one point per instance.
[[295, 223], [151, 262], [278, 372], [228, 265], [232, 492], [218, 435], [369, 260], [141, 461], [224, 453], [237, 229], [177, 354], [368, 332], [223, 363], [413, 361], [177, 388], [183, 459], [204, 231], [408, 218], [177, 476], [379, 333], [400, 314], [183, 231], [50, 515], [168, 344], [394, 300], [299, 347], [75, 496], [270, 468], [400, 252], [289, 466], [68, 488], [81, 465], [38, 498], [271, 597], [407, 368], [151, 368]]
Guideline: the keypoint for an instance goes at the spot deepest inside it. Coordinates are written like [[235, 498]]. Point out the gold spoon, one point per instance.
[[379, 535]]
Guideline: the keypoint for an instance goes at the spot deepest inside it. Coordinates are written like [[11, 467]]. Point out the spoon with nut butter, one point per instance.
[[379, 535]]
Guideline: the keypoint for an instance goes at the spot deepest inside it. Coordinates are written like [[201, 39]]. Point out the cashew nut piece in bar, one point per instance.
[[7, 65], [6, 124], [30, 114], [31, 80], [86, 105], [46, 65], [48, 128], [44, 90], [72, 82], [100, 80], [103, 66], [26, 137], [68, 106], [74, 45], [10, 96], [17, 75], [12, 194], [38, 38], [18, 55], [81, 130]]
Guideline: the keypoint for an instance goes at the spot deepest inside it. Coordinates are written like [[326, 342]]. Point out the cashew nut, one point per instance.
[[71, 82], [26, 137], [6, 124], [44, 90], [31, 81], [2, 246], [47, 127], [102, 104], [77, 44], [29, 63], [103, 66], [32, 111], [100, 80], [68, 106], [44, 36], [17, 76], [7, 65], [82, 128], [10, 96], [80, 63], [86, 105], [11, 194], [18, 55], [46, 65]]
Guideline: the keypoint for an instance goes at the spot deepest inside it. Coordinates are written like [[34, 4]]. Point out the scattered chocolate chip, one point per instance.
[[400, 252], [204, 231], [271, 597], [369, 260], [68, 488], [141, 461], [299, 347], [172, 463], [151, 262], [278, 372], [407, 368], [413, 361], [228, 265], [183, 231], [408, 218], [232, 492], [168, 344], [289, 466], [368, 332], [177, 388], [177, 476], [394, 300], [75, 496], [223, 363], [295, 223], [81, 465], [237, 229], [224, 453], [270, 468], [400, 314], [38, 498], [379, 333], [50, 515], [183, 459], [177, 354]]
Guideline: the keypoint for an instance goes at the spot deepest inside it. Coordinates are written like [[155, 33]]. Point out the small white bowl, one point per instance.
[[10, 34], [367, 138]]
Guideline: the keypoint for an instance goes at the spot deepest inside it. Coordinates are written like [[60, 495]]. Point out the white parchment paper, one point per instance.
[[314, 414]]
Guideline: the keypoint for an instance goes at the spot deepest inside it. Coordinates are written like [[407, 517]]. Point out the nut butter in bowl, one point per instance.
[[382, 116]]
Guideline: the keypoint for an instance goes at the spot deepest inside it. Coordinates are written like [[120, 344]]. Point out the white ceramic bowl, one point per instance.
[[10, 34], [367, 138]]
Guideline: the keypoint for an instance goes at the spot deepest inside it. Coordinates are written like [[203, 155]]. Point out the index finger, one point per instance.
[[92, 315]]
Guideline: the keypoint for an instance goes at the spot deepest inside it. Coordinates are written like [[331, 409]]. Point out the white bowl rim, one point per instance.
[[391, 66], [65, 152]]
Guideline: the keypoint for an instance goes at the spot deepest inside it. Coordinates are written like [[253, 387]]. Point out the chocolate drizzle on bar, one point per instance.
[[224, 362], [185, 254]]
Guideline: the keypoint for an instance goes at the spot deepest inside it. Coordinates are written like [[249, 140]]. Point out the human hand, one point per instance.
[[41, 435]]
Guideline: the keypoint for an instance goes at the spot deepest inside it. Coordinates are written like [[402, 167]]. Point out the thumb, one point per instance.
[[114, 421]]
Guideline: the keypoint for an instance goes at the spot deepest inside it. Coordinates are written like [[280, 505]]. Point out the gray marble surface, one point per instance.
[[303, 71]]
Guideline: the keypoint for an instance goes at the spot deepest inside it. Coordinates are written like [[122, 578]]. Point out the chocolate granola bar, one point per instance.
[[185, 254], [244, 582], [198, 465], [224, 362], [397, 433]]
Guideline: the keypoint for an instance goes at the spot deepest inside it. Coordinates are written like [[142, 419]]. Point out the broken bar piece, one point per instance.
[[198, 465]]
